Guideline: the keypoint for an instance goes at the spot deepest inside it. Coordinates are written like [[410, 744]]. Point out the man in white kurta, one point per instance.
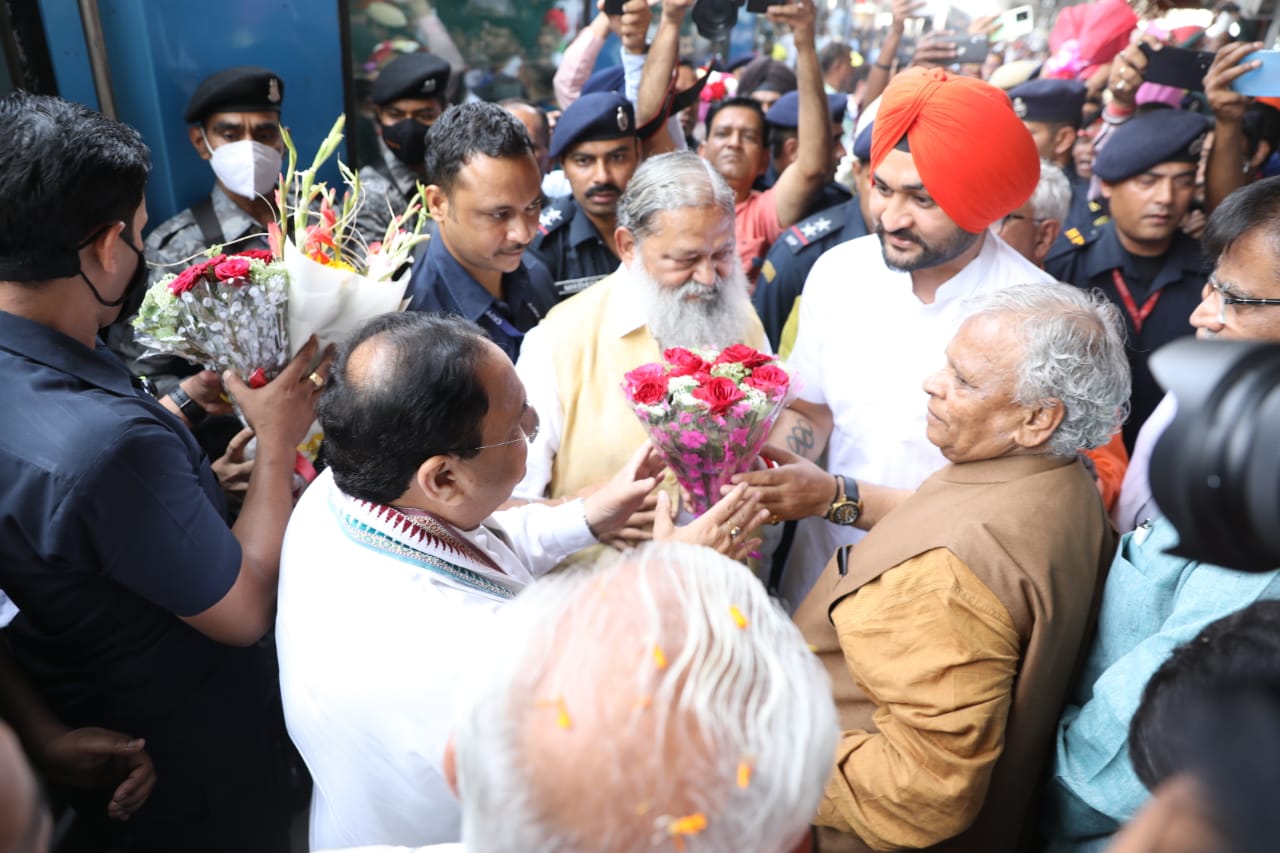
[[949, 159], [375, 626], [395, 562]]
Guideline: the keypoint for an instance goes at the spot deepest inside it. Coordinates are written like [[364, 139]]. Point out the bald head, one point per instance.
[[661, 694]]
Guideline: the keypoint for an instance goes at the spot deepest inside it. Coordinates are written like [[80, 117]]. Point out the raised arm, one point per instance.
[[800, 182]]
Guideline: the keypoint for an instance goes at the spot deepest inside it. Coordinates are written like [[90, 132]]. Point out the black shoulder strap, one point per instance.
[[207, 222]]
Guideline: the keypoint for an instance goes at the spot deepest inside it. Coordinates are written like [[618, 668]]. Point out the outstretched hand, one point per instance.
[[724, 527], [613, 507]]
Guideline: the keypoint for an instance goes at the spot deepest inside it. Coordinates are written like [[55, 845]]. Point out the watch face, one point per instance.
[[845, 513]]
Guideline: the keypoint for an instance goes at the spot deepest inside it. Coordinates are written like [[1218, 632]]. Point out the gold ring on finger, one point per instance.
[[316, 379], [734, 531]]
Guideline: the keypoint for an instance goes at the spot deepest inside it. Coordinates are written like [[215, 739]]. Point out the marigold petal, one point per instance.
[[738, 618], [659, 659], [744, 774]]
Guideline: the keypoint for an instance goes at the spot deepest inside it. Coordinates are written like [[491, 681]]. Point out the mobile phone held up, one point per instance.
[[1261, 82], [1177, 67], [969, 49], [759, 7], [613, 7], [1014, 24]]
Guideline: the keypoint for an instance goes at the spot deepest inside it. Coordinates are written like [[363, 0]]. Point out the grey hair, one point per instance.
[[655, 685], [1052, 198], [668, 182], [1072, 353]]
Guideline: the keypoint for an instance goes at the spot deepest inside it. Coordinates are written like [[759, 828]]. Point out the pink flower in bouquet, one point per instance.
[[647, 384], [768, 378], [692, 440], [232, 268], [187, 279], [685, 363], [748, 357], [719, 393]]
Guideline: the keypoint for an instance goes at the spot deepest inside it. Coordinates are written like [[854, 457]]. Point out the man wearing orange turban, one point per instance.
[[949, 158]]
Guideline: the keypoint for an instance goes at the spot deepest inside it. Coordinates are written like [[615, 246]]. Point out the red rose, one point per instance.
[[258, 378], [683, 362], [744, 355], [215, 260], [768, 378], [647, 384], [719, 393], [232, 268], [263, 255], [186, 280]]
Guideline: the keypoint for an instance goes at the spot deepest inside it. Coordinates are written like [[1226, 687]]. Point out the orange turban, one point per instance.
[[974, 155]]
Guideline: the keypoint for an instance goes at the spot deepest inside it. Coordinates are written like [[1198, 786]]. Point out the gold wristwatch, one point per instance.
[[846, 507]]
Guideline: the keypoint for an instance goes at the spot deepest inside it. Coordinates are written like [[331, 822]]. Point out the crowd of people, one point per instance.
[[939, 611]]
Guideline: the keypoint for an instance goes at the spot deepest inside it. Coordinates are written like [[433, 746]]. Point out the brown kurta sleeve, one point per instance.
[[937, 653]]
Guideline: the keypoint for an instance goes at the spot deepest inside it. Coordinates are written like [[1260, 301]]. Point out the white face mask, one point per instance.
[[247, 168]]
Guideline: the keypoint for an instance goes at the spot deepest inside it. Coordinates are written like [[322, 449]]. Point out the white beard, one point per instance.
[[695, 316]]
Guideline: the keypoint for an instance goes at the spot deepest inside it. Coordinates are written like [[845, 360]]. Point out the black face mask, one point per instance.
[[134, 292], [407, 139]]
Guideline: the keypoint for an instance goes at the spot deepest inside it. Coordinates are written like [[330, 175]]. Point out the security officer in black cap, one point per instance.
[[596, 144], [783, 119], [235, 127], [1052, 111], [408, 96], [788, 263], [1140, 259]]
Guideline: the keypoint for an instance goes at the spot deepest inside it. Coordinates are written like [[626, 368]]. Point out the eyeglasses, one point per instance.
[[529, 424], [1015, 217], [1226, 298]]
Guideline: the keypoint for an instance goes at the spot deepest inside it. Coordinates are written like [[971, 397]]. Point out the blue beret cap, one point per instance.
[[598, 115], [785, 111], [1049, 101], [411, 75], [1146, 140], [242, 89], [611, 79], [862, 145]]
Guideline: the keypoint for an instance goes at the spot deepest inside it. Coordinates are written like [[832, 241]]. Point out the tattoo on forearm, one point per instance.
[[800, 441]]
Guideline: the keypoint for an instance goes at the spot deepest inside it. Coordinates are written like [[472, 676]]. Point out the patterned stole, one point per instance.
[[418, 537]]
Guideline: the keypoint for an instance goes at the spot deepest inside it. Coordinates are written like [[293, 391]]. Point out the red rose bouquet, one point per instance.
[[226, 312], [708, 413]]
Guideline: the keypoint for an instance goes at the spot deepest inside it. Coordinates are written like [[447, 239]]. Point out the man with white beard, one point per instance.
[[680, 284]]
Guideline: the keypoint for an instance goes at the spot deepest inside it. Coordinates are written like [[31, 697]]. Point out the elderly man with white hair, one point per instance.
[[1033, 228], [680, 284], [951, 631], [656, 700]]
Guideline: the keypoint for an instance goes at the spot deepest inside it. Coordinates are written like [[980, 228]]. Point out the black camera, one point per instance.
[[714, 19], [1215, 472]]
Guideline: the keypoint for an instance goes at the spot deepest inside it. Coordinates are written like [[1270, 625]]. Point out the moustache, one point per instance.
[[603, 188], [902, 234]]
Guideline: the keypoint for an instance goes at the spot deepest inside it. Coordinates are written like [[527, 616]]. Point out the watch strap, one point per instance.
[[191, 410]]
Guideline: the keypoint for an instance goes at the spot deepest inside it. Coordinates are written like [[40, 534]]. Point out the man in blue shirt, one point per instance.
[[133, 593], [485, 195]]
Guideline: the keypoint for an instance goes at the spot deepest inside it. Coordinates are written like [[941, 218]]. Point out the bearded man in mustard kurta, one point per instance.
[[680, 284]]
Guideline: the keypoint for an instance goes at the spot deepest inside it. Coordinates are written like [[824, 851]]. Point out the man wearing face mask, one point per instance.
[[408, 96], [235, 126], [140, 609]]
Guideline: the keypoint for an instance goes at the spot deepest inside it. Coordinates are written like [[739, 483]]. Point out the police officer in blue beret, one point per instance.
[[1141, 259], [788, 263], [596, 143], [408, 96], [1052, 111], [783, 118]]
